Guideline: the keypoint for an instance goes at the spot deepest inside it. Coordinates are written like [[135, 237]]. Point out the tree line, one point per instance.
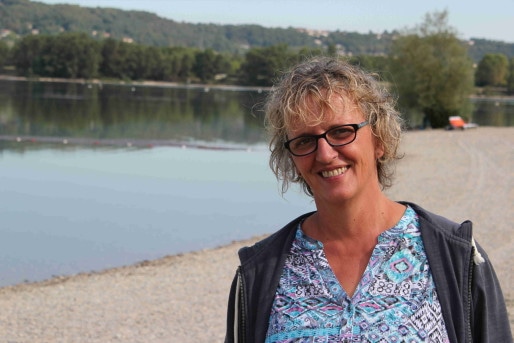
[[76, 55], [428, 68]]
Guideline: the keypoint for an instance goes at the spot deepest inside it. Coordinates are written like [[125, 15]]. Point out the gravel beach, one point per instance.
[[458, 174]]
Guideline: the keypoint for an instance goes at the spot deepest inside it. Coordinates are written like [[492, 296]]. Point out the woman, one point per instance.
[[362, 268]]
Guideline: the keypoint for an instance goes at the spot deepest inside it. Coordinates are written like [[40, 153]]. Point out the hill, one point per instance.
[[23, 17]]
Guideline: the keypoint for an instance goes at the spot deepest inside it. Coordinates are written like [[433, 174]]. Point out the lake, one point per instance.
[[95, 176], [187, 181], [82, 209]]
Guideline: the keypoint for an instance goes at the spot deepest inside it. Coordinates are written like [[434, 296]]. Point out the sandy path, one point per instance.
[[182, 298]]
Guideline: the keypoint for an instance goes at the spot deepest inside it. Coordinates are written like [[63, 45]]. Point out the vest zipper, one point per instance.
[[242, 307], [469, 304]]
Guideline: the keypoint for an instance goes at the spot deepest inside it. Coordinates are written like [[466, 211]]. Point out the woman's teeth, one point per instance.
[[335, 172]]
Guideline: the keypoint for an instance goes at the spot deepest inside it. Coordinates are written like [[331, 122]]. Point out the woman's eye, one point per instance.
[[303, 141], [341, 132]]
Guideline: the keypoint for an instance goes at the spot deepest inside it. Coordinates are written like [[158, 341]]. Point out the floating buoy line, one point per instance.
[[124, 143]]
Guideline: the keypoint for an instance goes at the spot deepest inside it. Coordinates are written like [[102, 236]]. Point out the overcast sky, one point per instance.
[[490, 19]]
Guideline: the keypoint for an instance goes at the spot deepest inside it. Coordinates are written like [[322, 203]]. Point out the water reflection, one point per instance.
[[119, 112], [494, 112]]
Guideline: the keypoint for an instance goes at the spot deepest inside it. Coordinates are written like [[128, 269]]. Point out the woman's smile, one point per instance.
[[334, 172]]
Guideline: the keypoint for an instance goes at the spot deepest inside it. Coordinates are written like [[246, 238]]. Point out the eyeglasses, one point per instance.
[[337, 136]]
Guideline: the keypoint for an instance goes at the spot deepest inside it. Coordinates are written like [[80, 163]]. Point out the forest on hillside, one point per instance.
[[19, 18]]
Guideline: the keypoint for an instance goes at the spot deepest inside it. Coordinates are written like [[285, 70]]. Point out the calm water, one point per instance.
[[69, 208], [66, 211], [93, 177]]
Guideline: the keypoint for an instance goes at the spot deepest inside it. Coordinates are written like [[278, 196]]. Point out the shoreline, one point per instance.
[[155, 263], [458, 174], [164, 84], [204, 86]]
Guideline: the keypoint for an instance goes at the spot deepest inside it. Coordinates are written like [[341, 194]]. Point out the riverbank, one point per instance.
[[206, 87], [101, 83], [459, 174]]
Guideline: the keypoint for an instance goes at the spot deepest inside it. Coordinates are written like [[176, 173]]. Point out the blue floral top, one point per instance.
[[395, 301]]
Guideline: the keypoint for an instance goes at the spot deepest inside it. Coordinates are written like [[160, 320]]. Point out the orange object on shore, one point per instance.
[[456, 122]]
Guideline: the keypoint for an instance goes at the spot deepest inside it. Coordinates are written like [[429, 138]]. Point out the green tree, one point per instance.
[[111, 61], [332, 50], [132, 67], [510, 78], [27, 54], [171, 63], [4, 54], [431, 70], [153, 60], [262, 65], [70, 55], [177, 63], [492, 70], [306, 53], [379, 64], [187, 60], [205, 65], [209, 64], [73, 55], [127, 60]]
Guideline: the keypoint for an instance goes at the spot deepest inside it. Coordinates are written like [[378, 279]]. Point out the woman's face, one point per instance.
[[339, 173]]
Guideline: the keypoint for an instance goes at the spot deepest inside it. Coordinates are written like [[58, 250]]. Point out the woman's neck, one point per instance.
[[353, 220]]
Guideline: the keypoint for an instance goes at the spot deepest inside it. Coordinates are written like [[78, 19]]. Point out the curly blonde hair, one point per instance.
[[315, 81]]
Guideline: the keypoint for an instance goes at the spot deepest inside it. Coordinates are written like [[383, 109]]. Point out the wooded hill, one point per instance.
[[24, 17]]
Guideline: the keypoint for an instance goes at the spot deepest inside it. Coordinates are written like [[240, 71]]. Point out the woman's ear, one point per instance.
[[379, 150]]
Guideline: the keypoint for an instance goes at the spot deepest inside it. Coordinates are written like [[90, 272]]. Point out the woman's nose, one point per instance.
[[325, 152]]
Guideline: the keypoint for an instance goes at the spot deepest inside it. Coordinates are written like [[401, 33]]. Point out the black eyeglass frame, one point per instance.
[[356, 127]]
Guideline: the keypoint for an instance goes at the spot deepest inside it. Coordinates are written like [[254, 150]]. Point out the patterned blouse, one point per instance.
[[395, 301]]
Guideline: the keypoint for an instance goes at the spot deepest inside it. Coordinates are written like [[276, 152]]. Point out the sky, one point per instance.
[[490, 19]]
